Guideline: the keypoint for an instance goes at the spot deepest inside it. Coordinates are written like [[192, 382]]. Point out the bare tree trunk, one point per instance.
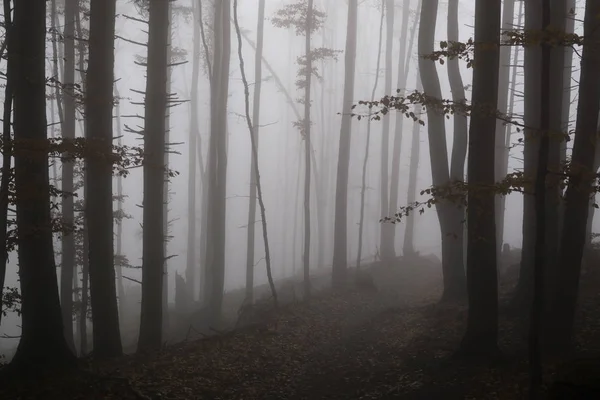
[[386, 243], [153, 261], [120, 213], [253, 130], [363, 188], [253, 162], [99, 206], [7, 174], [217, 162], [508, 12], [409, 234], [307, 150], [402, 77], [340, 261], [452, 263], [481, 337], [42, 345], [579, 187]]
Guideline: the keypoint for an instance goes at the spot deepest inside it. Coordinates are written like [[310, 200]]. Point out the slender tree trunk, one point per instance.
[[307, 150], [363, 188], [456, 213], [193, 137], [387, 244], [579, 187], [482, 280], [153, 261], [253, 130], [7, 174], [402, 77], [120, 213], [253, 162], [42, 343], [99, 206], [415, 152], [68, 238], [452, 264], [340, 241], [508, 12]]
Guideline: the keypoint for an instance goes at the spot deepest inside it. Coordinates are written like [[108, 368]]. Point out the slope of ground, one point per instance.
[[395, 342]]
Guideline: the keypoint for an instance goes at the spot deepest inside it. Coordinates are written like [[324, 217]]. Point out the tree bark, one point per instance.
[[579, 187], [99, 207], [256, 127], [452, 263], [67, 266], [402, 76], [340, 241], [482, 281], [153, 261], [386, 241], [42, 343]]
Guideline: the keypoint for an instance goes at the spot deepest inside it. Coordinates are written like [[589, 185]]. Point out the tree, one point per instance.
[[68, 240], [99, 206], [153, 258], [482, 286], [307, 147], [395, 173], [42, 343], [449, 216], [253, 176], [217, 159], [581, 176], [387, 244], [340, 251]]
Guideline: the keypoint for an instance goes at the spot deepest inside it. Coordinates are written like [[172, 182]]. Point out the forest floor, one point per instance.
[[396, 342]]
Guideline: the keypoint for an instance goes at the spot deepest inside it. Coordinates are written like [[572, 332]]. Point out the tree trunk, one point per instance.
[[217, 162], [452, 263], [532, 61], [153, 261], [579, 187], [409, 234], [508, 12], [363, 188], [120, 213], [99, 207], [193, 136], [256, 125], [7, 173], [387, 244], [42, 343], [402, 76], [340, 261], [482, 281], [67, 266]]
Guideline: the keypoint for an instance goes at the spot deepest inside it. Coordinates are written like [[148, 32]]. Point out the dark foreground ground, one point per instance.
[[393, 343]]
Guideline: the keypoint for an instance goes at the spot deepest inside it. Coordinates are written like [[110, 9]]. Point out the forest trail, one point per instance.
[[393, 343]]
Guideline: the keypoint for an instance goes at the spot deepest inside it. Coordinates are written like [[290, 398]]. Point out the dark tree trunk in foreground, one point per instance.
[[579, 188], [99, 205], [42, 343], [256, 128], [386, 243], [452, 262], [154, 174], [340, 240], [482, 281], [6, 152], [532, 62], [542, 197], [67, 266]]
